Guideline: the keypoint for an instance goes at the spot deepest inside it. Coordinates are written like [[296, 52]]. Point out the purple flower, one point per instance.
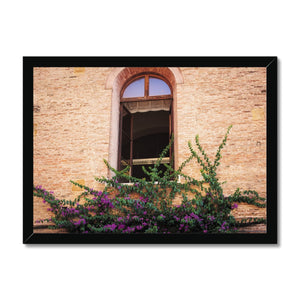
[[144, 212], [234, 206], [195, 216], [144, 199], [130, 229], [121, 226], [80, 221], [138, 205], [112, 227], [187, 218], [223, 227]]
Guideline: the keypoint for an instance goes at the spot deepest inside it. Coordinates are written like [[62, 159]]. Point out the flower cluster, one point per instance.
[[104, 214]]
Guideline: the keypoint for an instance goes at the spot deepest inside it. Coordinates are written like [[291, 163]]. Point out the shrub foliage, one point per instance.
[[147, 206]]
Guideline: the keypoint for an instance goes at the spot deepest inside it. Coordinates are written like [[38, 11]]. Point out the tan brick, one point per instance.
[[72, 121]]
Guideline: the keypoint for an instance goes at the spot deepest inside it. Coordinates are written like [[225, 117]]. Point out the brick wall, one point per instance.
[[72, 120], [71, 129], [208, 102]]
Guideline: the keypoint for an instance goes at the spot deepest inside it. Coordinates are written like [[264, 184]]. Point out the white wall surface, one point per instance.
[[190, 28]]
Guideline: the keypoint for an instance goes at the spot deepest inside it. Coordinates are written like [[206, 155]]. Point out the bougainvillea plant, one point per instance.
[[142, 206]]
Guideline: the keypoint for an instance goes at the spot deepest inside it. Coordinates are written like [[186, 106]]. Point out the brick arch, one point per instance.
[[115, 81], [118, 75]]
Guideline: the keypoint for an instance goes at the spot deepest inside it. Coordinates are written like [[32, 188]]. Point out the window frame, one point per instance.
[[146, 88], [146, 97]]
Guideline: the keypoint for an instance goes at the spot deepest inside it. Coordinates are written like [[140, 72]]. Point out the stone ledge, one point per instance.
[[257, 228]]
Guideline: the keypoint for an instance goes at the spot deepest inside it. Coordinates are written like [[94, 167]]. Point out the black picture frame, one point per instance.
[[270, 237]]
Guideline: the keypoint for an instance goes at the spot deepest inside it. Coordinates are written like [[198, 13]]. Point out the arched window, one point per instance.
[[146, 122]]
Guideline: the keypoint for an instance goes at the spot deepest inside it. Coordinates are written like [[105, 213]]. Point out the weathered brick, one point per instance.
[[72, 122]]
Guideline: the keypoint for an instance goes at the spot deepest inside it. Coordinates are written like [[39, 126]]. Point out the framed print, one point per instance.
[[150, 150]]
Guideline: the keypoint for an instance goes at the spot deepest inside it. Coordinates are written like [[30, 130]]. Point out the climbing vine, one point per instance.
[[142, 206]]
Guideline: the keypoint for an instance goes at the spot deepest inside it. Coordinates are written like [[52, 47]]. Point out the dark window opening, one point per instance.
[[149, 146], [145, 124]]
